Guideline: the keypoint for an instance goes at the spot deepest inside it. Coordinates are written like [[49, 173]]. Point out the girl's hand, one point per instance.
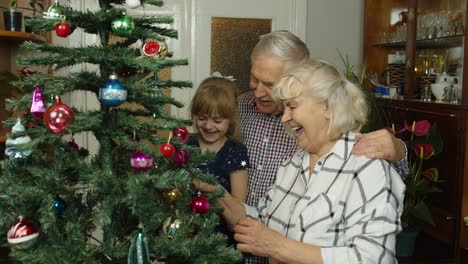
[[203, 186]]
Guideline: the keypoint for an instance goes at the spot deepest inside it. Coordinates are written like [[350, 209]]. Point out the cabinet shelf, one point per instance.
[[14, 36], [444, 42]]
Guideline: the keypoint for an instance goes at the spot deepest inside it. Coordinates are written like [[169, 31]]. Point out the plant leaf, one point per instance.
[[422, 212]]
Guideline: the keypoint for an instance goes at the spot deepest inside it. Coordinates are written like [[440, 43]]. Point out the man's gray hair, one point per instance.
[[284, 45]]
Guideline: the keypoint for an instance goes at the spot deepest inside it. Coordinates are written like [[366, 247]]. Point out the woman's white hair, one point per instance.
[[346, 101]]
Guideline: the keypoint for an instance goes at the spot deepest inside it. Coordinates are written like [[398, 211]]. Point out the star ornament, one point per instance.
[[243, 163]]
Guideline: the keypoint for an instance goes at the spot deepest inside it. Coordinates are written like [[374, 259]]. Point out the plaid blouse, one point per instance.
[[350, 205]]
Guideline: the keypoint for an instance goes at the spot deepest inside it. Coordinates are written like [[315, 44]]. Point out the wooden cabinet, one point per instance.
[[431, 35], [9, 49]]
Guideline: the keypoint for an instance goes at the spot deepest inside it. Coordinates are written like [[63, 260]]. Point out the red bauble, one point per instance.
[[58, 116], [151, 48], [181, 156], [200, 204], [26, 72], [167, 150], [21, 232], [181, 133], [141, 161], [62, 29]]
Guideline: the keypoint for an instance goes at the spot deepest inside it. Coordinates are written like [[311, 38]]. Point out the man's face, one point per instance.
[[263, 74]]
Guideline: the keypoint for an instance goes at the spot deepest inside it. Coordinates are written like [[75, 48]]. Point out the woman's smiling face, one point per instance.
[[307, 118]]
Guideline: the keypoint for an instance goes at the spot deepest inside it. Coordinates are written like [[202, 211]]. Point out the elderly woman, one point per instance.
[[327, 205]]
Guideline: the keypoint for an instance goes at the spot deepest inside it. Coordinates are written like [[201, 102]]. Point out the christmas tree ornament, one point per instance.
[[171, 225], [62, 29], [170, 197], [112, 93], [181, 133], [59, 205], [37, 108], [133, 3], [54, 11], [11, 149], [58, 116], [26, 72], [181, 156], [156, 49], [199, 204], [141, 161], [128, 73], [167, 149], [72, 146], [22, 231], [49, 101], [123, 26], [138, 252]]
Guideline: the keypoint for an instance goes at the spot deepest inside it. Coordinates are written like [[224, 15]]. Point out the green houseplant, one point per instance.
[[13, 19], [37, 7], [423, 142]]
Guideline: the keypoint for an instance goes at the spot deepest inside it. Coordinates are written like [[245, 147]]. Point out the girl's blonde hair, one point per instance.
[[217, 96]]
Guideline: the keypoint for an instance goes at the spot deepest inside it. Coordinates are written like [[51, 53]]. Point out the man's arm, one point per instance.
[[382, 144]]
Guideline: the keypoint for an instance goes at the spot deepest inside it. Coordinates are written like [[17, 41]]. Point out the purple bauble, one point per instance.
[[181, 133], [72, 146], [141, 161], [181, 156], [200, 205], [37, 105]]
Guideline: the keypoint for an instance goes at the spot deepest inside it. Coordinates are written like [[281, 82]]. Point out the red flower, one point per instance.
[[419, 128], [424, 151]]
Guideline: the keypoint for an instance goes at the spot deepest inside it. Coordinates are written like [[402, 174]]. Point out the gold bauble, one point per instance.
[[170, 197]]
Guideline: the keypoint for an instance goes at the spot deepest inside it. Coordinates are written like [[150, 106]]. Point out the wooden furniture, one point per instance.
[[9, 49], [391, 26]]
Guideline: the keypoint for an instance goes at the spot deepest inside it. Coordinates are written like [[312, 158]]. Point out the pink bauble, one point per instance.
[[21, 232], [181, 156], [141, 161], [37, 105], [181, 133], [200, 205], [58, 116]]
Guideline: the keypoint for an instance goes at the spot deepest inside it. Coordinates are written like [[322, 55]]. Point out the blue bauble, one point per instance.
[[59, 206], [113, 93]]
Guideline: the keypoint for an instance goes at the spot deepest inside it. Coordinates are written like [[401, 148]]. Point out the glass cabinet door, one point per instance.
[[385, 42], [440, 30]]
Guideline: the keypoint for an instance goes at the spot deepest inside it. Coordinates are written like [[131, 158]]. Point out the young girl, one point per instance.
[[216, 121]]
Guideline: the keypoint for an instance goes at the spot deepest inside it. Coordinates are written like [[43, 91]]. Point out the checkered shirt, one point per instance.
[[350, 206], [267, 143]]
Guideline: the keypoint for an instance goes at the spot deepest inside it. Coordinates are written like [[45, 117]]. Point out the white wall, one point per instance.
[[335, 24]]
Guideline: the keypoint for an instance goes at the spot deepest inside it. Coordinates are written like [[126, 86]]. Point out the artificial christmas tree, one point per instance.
[[130, 203]]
